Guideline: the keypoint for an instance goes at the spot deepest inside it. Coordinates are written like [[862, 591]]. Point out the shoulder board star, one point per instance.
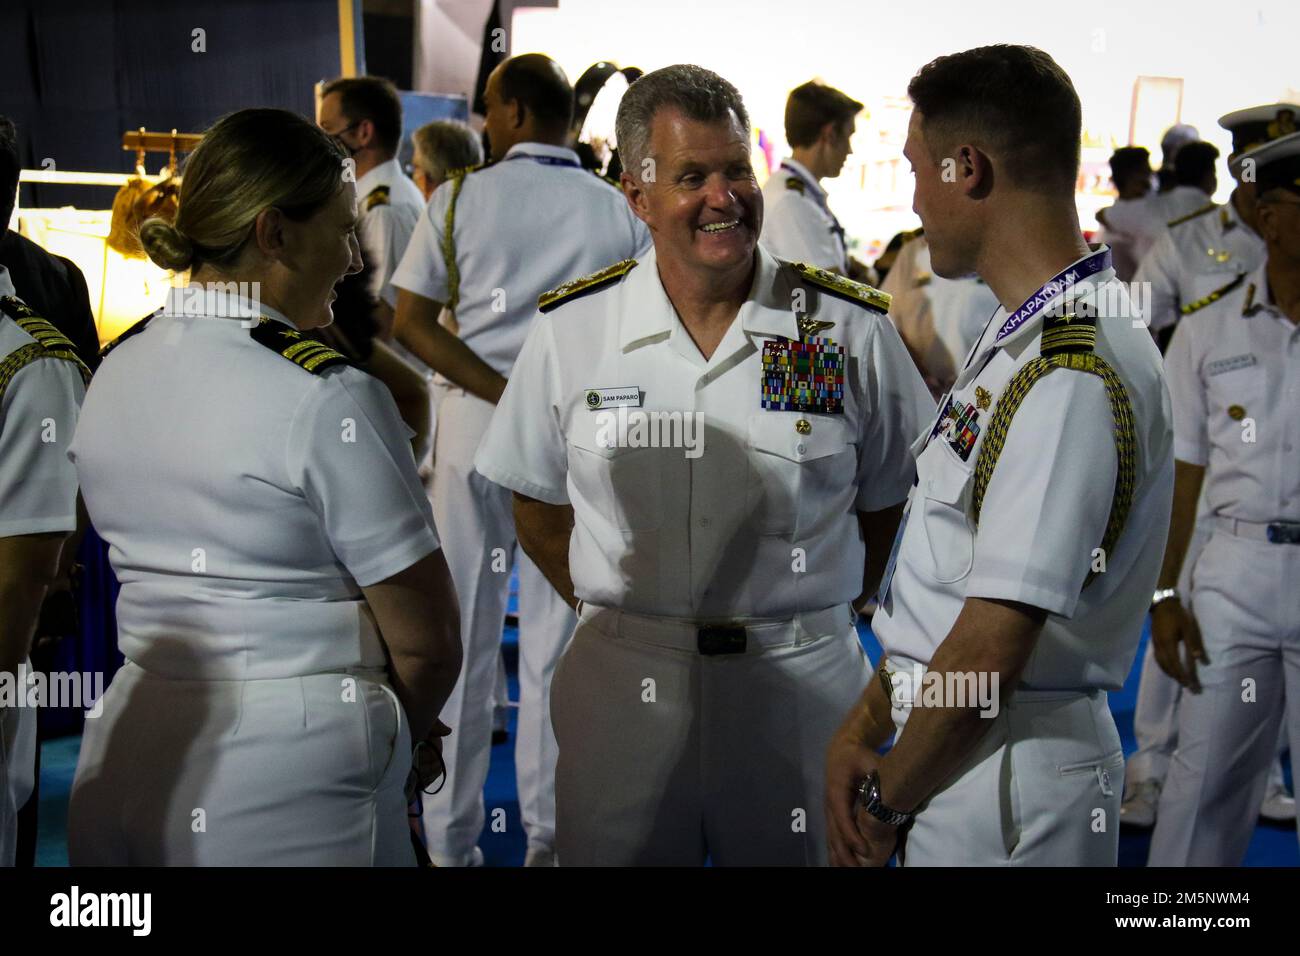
[[306, 353], [585, 284], [1209, 207], [377, 197], [795, 183], [837, 285], [1214, 296]]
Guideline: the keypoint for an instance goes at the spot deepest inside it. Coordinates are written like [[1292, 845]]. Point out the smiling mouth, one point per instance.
[[716, 227]]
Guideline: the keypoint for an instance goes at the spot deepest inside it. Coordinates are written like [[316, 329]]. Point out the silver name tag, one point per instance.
[[626, 396]]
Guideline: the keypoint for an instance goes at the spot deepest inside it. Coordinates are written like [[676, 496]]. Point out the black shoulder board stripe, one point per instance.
[[133, 330], [837, 285], [577, 287], [1214, 296], [1068, 333], [51, 341], [291, 344], [1192, 215]]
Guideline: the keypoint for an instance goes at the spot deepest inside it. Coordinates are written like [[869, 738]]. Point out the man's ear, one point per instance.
[[634, 191], [268, 232], [365, 133], [973, 169], [516, 113]]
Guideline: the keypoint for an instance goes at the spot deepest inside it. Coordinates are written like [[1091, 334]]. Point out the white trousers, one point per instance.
[[669, 756], [1248, 607], [1155, 718], [303, 771], [1042, 788], [476, 524], [17, 772]]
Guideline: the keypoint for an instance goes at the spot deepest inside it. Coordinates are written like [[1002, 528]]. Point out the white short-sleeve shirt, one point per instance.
[[1193, 257], [38, 416], [797, 222], [759, 521], [1234, 380], [522, 226], [1046, 506], [245, 500], [390, 206]]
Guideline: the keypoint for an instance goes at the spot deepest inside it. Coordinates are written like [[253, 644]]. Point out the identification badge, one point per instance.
[[959, 426], [627, 396], [803, 376], [1230, 364]]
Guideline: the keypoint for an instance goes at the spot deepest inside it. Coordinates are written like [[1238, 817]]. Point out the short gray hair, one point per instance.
[[699, 93], [446, 146]]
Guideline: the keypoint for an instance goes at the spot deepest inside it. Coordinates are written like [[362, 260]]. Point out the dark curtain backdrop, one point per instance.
[[74, 74]]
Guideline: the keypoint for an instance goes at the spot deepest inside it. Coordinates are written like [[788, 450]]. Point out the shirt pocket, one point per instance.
[[1235, 395], [623, 484], [793, 478], [944, 487]]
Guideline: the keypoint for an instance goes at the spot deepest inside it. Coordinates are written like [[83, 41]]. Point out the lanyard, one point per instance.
[[1052, 289], [545, 160]]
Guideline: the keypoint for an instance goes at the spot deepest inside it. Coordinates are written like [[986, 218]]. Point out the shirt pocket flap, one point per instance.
[[776, 433]]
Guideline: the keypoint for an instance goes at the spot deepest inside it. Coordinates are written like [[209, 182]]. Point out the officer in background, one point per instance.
[[716, 564], [1126, 226], [798, 222], [1193, 263], [491, 241], [365, 114], [1039, 513], [939, 318], [1203, 251], [1234, 378], [42, 384]]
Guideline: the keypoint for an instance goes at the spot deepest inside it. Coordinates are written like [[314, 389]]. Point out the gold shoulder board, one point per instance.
[[377, 197], [291, 344], [795, 183], [53, 343], [1214, 296], [576, 287], [837, 285]]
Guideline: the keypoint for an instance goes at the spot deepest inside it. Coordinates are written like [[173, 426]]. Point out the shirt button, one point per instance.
[[800, 448], [704, 522]]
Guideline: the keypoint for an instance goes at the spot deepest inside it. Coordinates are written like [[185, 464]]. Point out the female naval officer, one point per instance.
[[286, 615]]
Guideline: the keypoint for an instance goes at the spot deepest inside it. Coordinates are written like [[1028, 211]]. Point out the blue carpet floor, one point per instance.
[[1269, 847]]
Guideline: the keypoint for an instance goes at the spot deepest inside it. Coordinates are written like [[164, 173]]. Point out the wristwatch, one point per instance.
[[1163, 595], [869, 797]]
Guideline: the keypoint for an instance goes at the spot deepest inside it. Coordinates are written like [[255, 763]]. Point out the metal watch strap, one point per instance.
[[1163, 595], [869, 794]]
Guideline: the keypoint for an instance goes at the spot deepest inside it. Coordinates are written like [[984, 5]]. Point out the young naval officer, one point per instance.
[[1050, 461], [1234, 377], [708, 449], [797, 220], [491, 241]]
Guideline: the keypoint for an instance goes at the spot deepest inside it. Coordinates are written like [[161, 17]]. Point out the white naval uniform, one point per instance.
[[1189, 260], [939, 317], [522, 225], [38, 495], [246, 501], [1052, 755], [798, 224], [390, 206], [1235, 365], [1133, 225], [668, 754], [1193, 257]]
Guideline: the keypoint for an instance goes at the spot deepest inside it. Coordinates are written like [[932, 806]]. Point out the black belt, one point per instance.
[[720, 640]]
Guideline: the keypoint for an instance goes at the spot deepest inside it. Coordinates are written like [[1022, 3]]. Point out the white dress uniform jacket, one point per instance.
[[1193, 257], [491, 242], [41, 388], [249, 483], [798, 224], [391, 205], [1234, 378], [702, 495], [1045, 509]]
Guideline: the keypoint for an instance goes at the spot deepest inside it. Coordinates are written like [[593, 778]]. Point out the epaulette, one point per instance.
[[376, 197], [304, 352], [1068, 333], [837, 285], [576, 287], [795, 183], [135, 329], [50, 342], [466, 170], [1209, 207], [1214, 296], [603, 178]]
